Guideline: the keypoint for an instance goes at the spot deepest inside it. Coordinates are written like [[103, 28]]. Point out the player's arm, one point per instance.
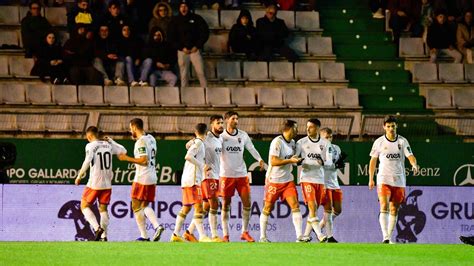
[[277, 161], [414, 165], [116, 148], [251, 148], [84, 167], [190, 156], [328, 162], [372, 165], [142, 160]]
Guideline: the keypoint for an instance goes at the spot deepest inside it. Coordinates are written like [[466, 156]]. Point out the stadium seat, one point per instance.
[[217, 43], [4, 66], [244, 97], [193, 97], [288, 17], [270, 98], [229, 18], [256, 71], [9, 37], [321, 98], [8, 122], [30, 122], [91, 95], [469, 72], [425, 73], [218, 97], [163, 123], [333, 72], [412, 47], [451, 73], [247, 124], [9, 15], [65, 94], [57, 123], [320, 46], [463, 98], [438, 98], [268, 125], [298, 44], [229, 71], [116, 96], [346, 98], [307, 20], [20, 67], [281, 71], [211, 16], [13, 93], [38, 94], [168, 97], [113, 123], [307, 72], [142, 96], [57, 16], [296, 98], [187, 124]]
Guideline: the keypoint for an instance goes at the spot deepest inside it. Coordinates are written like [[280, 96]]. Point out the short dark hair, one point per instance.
[[114, 3], [137, 122], [326, 130], [287, 124], [34, 2], [315, 121], [215, 117], [201, 128], [389, 119], [230, 114], [93, 130]]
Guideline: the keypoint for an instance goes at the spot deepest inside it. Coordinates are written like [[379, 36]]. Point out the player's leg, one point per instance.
[[336, 211], [328, 205], [89, 196], [104, 220], [137, 207], [180, 218], [296, 216], [267, 210], [384, 199], [226, 191], [197, 220], [243, 188], [398, 197], [213, 204], [312, 224]]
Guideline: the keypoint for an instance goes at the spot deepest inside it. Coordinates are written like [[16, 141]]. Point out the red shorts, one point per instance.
[[332, 195], [191, 195], [210, 188], [395, 194], [143, 192], [274, 191], [228, 186], [103, 195], [313, 192]]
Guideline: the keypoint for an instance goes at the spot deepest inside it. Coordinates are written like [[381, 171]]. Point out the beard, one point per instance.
[[219, 130]]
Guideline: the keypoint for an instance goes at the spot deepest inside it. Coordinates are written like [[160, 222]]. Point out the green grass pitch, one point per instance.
[[133, 253]]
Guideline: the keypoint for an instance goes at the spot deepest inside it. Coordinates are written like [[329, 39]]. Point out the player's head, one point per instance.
[[217, 124], [289, 128], [312, 127], [200, 129], [326, 133], [390, 124], [92, 133], [231, 119], [136, 126]]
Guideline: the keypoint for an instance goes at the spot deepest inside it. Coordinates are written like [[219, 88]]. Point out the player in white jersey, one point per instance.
[[333, 199], [193, 174], [144, 183], [99, 186], [279, 183], [210, 184], [317, 155], [233, 173], [391, 149]]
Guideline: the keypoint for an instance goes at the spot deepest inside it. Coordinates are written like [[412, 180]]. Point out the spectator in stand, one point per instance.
[[160, 58], [106, 59], [242, 36], [130, 48], [213, 4], [425, 19], [404, 14], [441, 39], [140, 14], [50, 61], [465, 37], [115, 20], [271, 36], [188, 33], [81, 14], [378, 8], [161, 17], [78, 55], [232, 4], [33, 29]]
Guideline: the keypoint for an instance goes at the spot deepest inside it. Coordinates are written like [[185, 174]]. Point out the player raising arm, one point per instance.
[[391, 149]]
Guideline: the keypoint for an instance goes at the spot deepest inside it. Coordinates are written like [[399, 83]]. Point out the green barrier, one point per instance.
[[52, 161]]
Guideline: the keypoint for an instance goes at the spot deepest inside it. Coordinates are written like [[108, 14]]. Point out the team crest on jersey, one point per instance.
[[399, 146], [321, 147], [239, 140]]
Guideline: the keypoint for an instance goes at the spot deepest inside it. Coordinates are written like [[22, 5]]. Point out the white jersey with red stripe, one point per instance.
[[145, 174], [330, 173], [232, 157], [282, 149], [213, 146], [391, 155], [192, 173], [310, 149]]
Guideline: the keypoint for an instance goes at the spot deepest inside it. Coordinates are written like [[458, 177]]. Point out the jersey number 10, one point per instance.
[[105, 160]]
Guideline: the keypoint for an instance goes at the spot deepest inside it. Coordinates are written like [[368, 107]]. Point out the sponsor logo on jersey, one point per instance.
[[218, 150], [313, 155], [411, 220], [463, 175], [233, 149], [393, 156]]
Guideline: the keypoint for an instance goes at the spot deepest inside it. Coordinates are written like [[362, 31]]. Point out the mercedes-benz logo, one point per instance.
[[462, 176]]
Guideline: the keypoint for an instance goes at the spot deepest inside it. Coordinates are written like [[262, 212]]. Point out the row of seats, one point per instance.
[[44, 122], [444, 98], [12, 15], [447, 73], [15, 66], [43, 94], [412, 48]]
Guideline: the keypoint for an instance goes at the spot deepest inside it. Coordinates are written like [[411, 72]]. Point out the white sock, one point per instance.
[[308, 229], [298, 223], [392, 221], [90, 217], [245, 219], [197, 220], [328, 218], [150, 214], [191, 227], [179, 223], [225, 222], [104, 223], [141, 222], [315, 224], [263, 225], [213, 222], [383, 220]]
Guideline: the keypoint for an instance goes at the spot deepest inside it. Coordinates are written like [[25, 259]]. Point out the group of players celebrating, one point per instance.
[[214, 168]]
